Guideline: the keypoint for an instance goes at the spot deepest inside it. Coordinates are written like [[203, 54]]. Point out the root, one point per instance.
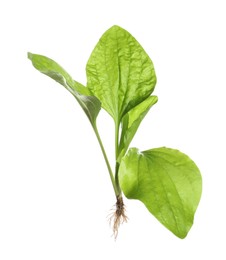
[[118, 217]]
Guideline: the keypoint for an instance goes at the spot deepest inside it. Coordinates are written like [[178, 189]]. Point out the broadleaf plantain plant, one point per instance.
[[121, 79]]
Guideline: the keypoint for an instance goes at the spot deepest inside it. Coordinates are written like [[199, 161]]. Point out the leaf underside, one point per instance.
[[89, 103], [119, 72], [167, 181]]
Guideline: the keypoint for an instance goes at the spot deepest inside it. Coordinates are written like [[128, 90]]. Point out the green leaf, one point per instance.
[[131, 122], [119, 72], [167, 181], [90, 104]]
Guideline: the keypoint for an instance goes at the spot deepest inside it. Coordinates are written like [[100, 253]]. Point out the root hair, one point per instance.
[[118, 216]]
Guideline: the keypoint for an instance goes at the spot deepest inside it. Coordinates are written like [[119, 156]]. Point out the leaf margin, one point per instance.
[[131, 190]]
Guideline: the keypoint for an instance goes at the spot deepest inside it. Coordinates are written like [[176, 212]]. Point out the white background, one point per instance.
[[55, 192]]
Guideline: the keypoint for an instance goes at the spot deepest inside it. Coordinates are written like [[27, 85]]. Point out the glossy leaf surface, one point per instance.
[[90, 104], [131, 122], [119, 72], [167, 181]]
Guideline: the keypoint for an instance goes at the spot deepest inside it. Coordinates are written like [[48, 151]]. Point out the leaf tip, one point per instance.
[[155, 99], [182, 234], [29, 55], [116, 27]]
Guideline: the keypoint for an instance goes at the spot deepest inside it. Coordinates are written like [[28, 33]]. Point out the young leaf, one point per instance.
[[131, 122], [90, 104], [119, 72], [167, 181]]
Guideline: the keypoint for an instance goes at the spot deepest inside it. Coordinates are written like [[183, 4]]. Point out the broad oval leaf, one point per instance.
[[119, 72], [167, 181], [90, 104], [131, 122]]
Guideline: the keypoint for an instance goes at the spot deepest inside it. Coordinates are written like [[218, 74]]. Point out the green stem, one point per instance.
[[116, 157], [107, 162], [116, 140], [116, 179]]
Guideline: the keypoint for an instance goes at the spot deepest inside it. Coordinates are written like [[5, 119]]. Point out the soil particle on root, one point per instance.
[[118, 217]]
